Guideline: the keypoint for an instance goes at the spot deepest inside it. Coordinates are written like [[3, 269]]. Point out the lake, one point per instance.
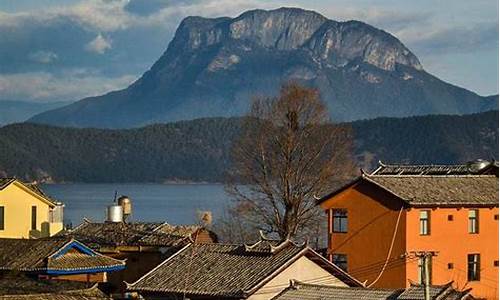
[[173, 203]]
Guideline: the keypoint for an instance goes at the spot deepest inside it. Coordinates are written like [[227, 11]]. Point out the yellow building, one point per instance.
[[26, 212]]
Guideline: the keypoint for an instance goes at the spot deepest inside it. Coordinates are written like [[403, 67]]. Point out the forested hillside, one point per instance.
[[198, 150]]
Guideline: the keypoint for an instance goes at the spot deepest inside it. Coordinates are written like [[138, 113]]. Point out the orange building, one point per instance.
[[378, 224]]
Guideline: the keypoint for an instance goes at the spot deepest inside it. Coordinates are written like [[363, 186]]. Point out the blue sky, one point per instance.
[[63, 50]]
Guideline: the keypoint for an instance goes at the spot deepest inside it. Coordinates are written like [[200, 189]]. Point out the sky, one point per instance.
[[64, 50]]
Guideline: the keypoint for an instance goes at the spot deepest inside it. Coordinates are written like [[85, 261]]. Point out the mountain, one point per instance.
[[19, 111], [198, 150], [213, 67]]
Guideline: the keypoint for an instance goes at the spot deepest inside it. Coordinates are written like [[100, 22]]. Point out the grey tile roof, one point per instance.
[[92, 293], [437, 292], [416, 292], [12, 284], [42, 255], [115, 234], [304, 291], [450, 190], [222, 270]]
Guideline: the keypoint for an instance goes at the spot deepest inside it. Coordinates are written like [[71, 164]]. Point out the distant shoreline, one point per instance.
[[142, 183]]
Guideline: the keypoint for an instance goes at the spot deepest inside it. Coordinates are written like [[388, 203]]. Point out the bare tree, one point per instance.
[[288, 154]]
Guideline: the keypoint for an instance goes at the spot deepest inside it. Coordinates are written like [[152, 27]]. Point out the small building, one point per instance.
[[380, 224], [143, 244], [300, 291], [222, 271], [56, 258], [27, 212]]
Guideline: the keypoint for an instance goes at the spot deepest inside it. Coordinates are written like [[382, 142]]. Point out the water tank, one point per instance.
[[126, 204], [114, 213], [478, 165]]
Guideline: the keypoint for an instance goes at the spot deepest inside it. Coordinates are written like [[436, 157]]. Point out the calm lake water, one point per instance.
[[176, 204]]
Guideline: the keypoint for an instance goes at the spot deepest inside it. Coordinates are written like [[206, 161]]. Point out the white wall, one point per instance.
[[303, 270]]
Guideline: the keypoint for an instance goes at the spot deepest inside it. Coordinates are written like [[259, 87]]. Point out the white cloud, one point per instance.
[[99, 44], [70, 85], [42, 56]]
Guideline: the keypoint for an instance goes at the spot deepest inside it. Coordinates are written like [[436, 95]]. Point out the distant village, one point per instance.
[[398, 232]]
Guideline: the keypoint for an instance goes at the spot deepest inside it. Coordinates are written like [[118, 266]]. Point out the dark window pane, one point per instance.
[[340, 260], [33, 218], [2, 218], [473, 267]]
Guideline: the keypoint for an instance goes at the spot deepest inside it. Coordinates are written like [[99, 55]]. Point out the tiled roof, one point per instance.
[[97, 235], [440, 190], [49, 255], [489, 167], [433, 190], [417, 292], [20, 284], [303, 291], [222, 270], [11, 284], [441, 292], [4, 182], [92, 293]]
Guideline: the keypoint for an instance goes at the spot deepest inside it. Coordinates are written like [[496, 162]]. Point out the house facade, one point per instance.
[[379, 226], [26, 212]]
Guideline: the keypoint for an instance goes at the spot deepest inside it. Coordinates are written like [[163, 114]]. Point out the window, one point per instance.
[[495, 263], [473, 267], [473, 221], [339, 220], [496, 217], [450, 217], [340, 260], [450, 266], [33, 218], [425, 224], [421, 270], [2, 218]]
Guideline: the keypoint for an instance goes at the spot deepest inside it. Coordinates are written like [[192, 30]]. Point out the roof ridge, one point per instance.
[[430, 176], [298, 282]]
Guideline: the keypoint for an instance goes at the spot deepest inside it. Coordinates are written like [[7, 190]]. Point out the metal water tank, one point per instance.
[[478, 165], [126, 204], [114, 213]]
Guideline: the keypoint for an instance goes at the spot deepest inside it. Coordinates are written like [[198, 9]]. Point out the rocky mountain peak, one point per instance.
[[338, 43], [214, 66], [334, 43], [283, 29]]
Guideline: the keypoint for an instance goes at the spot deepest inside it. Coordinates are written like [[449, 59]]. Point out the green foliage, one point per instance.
[[198, 150]]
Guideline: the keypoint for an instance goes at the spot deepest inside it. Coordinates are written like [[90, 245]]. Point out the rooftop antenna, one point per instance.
[[116, 193]]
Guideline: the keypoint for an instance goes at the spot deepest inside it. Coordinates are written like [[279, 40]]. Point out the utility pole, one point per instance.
[[425, 257]]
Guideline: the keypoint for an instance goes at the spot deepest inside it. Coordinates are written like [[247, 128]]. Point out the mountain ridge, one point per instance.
[[199, 150], [213, 67]]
